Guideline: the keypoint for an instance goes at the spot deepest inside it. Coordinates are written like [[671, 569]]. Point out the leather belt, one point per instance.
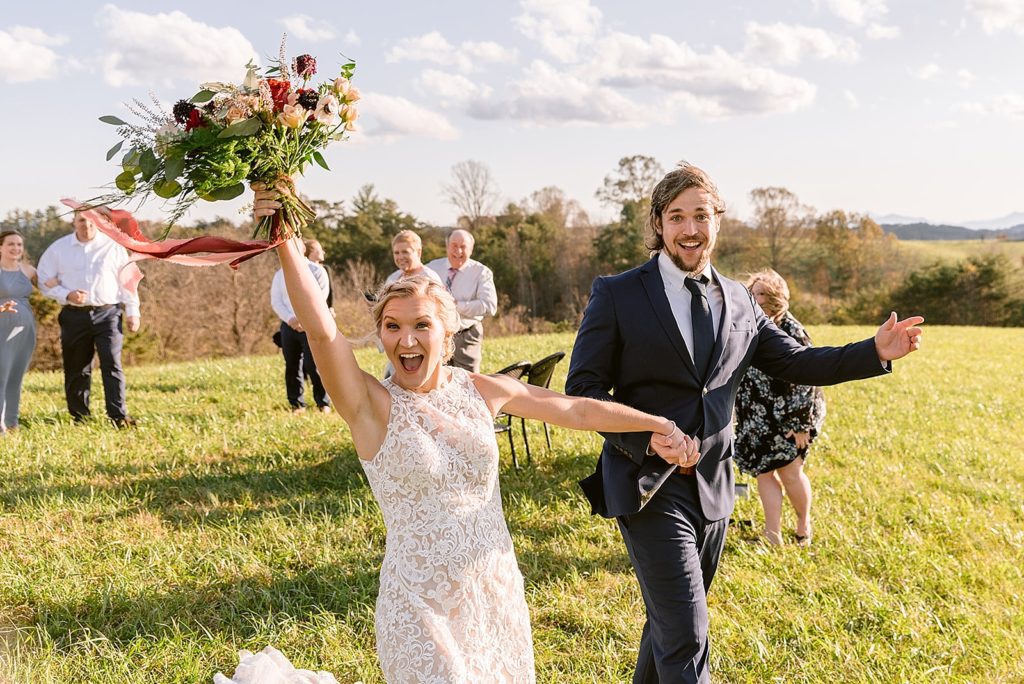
[[99, 307]]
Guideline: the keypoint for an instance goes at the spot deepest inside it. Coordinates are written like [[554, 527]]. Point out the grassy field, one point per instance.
[[928, 251], [224, 522]]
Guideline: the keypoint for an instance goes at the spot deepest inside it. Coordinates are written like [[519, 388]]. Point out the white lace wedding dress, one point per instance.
[[451, 606]]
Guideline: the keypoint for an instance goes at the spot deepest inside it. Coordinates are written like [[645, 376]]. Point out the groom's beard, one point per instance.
[[702, 261]]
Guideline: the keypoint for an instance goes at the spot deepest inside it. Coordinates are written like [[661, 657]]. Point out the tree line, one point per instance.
[[545, 252]]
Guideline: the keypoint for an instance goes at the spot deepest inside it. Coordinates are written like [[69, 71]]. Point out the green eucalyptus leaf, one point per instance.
[[319, 159], [125, 182], [241, 128], [173, 167], [203, 96], [130, 160], [228, 193], [114, 150], [149, 164], [112, 120], [167, 188]]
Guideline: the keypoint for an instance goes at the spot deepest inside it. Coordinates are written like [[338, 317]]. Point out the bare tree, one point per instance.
[[473, 191], [632, 181], [781, 222]]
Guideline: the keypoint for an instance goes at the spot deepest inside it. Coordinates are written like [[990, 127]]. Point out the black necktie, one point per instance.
[[703, 327]]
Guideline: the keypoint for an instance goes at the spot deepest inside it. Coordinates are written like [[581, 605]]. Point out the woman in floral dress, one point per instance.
[[776, 422]]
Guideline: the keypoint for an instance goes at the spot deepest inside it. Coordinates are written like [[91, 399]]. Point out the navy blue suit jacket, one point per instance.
[[629, 349]]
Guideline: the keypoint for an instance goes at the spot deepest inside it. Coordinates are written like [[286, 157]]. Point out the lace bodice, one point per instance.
[[451, 606]]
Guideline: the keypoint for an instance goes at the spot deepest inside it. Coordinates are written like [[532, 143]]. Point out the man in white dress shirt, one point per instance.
[[80, 271], [472, 285], [298, 359]]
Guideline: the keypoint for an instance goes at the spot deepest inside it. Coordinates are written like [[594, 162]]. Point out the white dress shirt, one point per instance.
[[679, 297], [92, 267], [279, 292], [428, 272], [473, 290]]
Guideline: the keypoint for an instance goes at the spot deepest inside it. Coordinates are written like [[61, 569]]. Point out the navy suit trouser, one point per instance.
[[85, 333], [298, 363], [675, 554]]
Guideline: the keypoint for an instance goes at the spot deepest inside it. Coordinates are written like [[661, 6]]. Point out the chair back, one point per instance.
[[540, 372], [515, 371]]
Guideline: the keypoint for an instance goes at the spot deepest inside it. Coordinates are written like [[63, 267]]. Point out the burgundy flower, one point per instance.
[[279, 91], [305, 66], [182, 110], [195, 120], [308, 98]]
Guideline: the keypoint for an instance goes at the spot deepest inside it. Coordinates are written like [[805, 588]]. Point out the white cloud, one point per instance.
[[548, 96], [882, 32], [161, 49], [352, 38], [998, 15], [851, 99], [490, 52], [451, 89], [732, 84], [927, 72], [25, 54], [562, 27], [790, 44], [1007, 105], [964, 78], [305, 27], [433, 47], [390, 117], [858, 12]]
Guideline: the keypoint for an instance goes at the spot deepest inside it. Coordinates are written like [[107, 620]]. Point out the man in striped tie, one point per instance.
[[472, 285]]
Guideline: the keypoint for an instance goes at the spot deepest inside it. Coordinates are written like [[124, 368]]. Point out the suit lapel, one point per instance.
[[724, 325], [650, 276]]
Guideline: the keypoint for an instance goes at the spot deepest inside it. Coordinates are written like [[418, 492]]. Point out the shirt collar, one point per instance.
[[675, 276]]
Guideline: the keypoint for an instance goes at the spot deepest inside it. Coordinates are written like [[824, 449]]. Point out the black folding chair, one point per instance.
[[540, 374], [503, 421]]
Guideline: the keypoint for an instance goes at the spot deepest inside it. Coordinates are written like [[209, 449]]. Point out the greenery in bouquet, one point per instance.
[[265, 130]]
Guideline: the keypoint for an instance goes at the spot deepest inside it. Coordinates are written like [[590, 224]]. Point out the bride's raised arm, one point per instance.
[[358, 397]]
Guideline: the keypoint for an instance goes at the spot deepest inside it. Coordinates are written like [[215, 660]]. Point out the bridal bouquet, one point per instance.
[[266, 129]]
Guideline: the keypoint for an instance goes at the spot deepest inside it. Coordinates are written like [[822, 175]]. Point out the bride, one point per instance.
[[451, 606]]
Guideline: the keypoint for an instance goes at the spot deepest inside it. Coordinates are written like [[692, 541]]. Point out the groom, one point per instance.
[[675, 337]]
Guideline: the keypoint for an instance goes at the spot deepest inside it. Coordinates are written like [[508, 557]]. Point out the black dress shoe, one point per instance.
[[124, 423]]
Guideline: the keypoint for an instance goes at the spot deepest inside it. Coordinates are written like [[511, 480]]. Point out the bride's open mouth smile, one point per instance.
[[411, 362]]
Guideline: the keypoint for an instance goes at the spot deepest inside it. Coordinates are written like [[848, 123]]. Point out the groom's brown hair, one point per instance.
[[683, 177]]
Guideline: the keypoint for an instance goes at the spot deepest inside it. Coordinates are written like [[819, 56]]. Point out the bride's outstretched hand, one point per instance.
[[265, 200]]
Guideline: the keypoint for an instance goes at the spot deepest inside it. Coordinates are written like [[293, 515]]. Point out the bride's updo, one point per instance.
[[422, 286]]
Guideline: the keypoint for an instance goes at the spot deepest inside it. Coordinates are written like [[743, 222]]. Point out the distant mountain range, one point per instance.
[[1010, 227]]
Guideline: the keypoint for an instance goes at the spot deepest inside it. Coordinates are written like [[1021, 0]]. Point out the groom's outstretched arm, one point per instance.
[[595, 362]]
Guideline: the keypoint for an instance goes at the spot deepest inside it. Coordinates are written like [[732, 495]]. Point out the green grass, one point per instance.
[[928, 251], [224, 522]]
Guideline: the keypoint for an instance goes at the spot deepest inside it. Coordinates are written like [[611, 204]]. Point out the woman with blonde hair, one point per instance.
[[451, 605], [407, 251], [777, 421]]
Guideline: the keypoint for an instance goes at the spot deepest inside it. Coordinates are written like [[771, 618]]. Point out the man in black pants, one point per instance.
[[298, 359], [81, 272]]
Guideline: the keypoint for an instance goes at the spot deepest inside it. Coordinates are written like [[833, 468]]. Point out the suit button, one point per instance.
[[704, 391]]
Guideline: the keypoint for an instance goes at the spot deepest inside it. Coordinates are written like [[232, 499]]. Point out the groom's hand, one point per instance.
[[678, 449], [895, 338]]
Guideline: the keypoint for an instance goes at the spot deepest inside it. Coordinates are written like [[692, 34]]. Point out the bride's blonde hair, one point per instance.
[[422, 286]]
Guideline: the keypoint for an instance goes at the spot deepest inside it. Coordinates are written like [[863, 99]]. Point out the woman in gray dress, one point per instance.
[[17, 325]]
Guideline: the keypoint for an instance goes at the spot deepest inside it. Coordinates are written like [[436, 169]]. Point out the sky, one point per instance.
[[894, 108]]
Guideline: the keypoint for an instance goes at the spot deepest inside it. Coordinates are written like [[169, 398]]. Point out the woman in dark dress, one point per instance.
[[776, 422]]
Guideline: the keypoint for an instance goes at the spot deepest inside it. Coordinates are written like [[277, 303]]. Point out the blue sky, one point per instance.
[[865, 105]]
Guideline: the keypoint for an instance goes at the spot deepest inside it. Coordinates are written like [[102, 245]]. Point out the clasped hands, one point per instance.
[[676, 448]]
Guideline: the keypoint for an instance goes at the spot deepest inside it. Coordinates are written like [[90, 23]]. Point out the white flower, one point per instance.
[[218, 87], [251, 81], [327, 110], [269, 666]]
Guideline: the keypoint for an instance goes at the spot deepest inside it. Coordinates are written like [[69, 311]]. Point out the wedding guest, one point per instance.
[[298, 359], [407, 251], [472, 285], [776, 422], [17, 328], [676, 336], [315, 253], [451, 605], [80, 271]]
